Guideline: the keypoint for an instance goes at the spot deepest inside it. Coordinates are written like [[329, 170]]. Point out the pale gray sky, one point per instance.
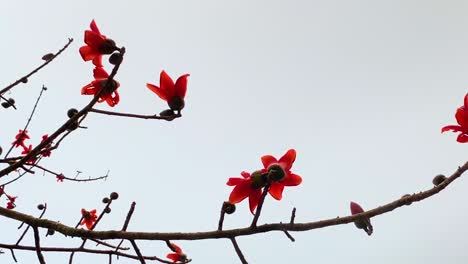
[[359, 88]]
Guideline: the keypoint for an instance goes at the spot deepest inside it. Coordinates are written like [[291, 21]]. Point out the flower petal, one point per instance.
[[287, 160], [245, 174], [234, 181], [292, 180], [173, 256], [276, 190], [181, 86], [176, 248], [100, 74], [167, 85], [240, 192], [355, 208], [462, 117], [462, 138], [155, 89], [94, 27], [452, 128], [97, 61], [254, 198], [267, 160], [88, 53], [94, 39]]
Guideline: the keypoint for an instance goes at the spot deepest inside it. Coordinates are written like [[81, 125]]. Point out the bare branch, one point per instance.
[[238, 251], [38, 245], [138, 252], [167, 118]]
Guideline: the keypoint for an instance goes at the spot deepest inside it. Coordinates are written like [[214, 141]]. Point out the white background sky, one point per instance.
[[359, 88]]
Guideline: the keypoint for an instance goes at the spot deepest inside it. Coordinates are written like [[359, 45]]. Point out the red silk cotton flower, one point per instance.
[[110, 95], [173, 94], [280, 173], [247, 186], [20, 138], [96, 45], [89, 218], [462, 119], [178, 255]]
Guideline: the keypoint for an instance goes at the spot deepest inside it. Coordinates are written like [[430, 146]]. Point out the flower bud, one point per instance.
[[24, 80], [50, 232], [40, 207], [115, 58], [166, 113], [72, 112], [229, 208], [105, 200], [8, 103], [107, 47], [276, 172], [107, 210], [362, 222], [438, 179], [259, 179], [48, 56], [114, 196]]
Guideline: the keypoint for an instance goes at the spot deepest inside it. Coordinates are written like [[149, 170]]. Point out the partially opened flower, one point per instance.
[[279, 172], [178, 255], [96, 45], [247, 186], [462, 119], [60, 177], [362, 222], [173, 94], [89, 218], [110, 95], [46, 150]]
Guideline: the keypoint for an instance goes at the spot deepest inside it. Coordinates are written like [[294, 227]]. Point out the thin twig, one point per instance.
[[6, 89], [127, 221], [138, 252], [260, 205], [27, 228], [293, 215], [167, 118], [221, 218], [38, 245], [238, 251]]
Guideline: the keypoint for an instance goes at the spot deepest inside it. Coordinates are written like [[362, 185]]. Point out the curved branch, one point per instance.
[[167, 118]]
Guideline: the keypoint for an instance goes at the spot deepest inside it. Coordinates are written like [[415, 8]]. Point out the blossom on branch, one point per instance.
[[173, 94], [247, 186], [60, 177], [110, 94], [89, 218], [279, 172], [462, 119], [96, 45], [178, 255], [363, 222], [20, 138], [11, 203], [47, 151]]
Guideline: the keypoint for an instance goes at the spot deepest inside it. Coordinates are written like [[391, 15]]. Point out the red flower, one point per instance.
[[60, 177], [173, 94], [355, 208], [11, 203], [96, 45], [26, 150], [280, 173], [89, 218], [462, 118], [362, 222], [47, 151], [110, 95], [20, 138], [178, 255], [248, 186]]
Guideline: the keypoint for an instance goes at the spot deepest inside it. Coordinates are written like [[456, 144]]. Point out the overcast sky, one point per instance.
[[359, 88]]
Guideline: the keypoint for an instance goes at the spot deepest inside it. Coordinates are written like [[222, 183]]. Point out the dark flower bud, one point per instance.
[[405, 196], [229, 208], [107, 210], [114, 196], [276, 173], [105, 200], [50, 232], [40, 207], [259, 179], [5, 104], [166, 113], [24, 80], [48, 56], [176, 103], [107, 47], [71, 112], [438, 179], [8, 103], [115, 58]]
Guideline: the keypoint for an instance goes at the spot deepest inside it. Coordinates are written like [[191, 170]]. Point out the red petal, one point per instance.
[[276, 190], [94, 27], [97, 61], [245, 174], [462, 138], [288, 159], [176, 248], [167, 85], [99, 73], [173, 256], [254, 198], [355, 208], [181, 86], [157, 90], [89, 89], [267, 160], [240, 192], [462, 117], [465, 101], [292, 180], [88, 53], [234, 181], [452, 128], [94, 39]]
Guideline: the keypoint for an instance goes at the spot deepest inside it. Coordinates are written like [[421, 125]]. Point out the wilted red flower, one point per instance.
[[178, 255], [247, 186], [280, 173], [462, 119], [11, 203], [47, 151], [89, 218], [110, 95], [60, 177], [361, 223], [173, 94], [96, 45], [20, 138]]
